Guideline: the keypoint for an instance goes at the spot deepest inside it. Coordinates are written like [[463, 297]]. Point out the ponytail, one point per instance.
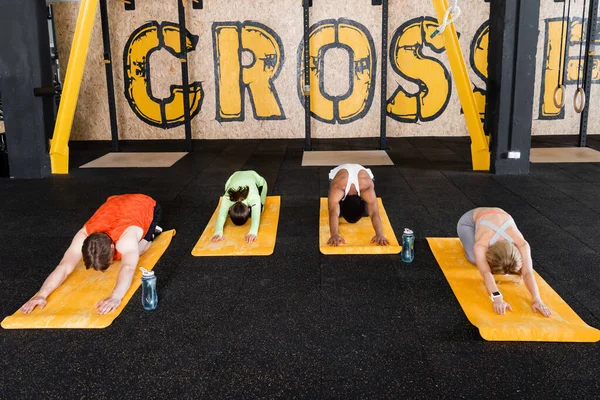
[[239, 194]]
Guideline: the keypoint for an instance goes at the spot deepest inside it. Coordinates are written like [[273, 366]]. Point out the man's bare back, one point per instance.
[[339, 190]]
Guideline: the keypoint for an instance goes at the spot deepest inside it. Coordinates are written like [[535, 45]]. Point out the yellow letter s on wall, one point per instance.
[[429, 74]]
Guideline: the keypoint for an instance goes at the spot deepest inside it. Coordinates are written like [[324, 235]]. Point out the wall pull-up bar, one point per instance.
[[59, 145], [110, 86], [588, 67], [184, 74], [384, 62], [306, 4]]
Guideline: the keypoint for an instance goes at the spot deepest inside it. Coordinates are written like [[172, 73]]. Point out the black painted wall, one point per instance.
[[25, 64]]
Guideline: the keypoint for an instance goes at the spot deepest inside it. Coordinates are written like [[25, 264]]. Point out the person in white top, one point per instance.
[[352, 196]]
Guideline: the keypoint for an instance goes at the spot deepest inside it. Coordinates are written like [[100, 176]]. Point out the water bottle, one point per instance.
[[149, 295], [408, 246]]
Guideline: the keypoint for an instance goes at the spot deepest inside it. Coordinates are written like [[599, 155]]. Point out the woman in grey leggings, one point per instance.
[[492, 242]]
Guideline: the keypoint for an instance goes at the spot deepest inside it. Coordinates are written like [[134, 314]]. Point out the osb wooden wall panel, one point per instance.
[[91, 121], [421, 99], [548, 119], [220, 28], [366, 18], [163, 69], [429, 109]]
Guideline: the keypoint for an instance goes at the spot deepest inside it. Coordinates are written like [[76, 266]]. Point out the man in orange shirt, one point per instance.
[[121, 229]]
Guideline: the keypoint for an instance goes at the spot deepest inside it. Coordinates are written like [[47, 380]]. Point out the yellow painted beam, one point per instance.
[[59, 145], [480, 151]]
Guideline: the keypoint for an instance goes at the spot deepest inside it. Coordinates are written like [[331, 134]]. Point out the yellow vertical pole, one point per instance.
[[59, 145], [480, 151]]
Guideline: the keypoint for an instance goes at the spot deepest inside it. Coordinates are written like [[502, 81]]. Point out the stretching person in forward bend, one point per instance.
[[492, 242], [121, 229], [352, 196], [245, 196]]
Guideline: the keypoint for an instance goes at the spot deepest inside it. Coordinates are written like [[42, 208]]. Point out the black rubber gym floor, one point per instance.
[[299, 324]]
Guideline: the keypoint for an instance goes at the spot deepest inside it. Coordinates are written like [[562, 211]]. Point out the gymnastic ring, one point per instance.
[[559, 89], [580, 93]]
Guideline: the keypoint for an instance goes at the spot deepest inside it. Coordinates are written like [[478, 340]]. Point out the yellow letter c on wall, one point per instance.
[[148, 38]]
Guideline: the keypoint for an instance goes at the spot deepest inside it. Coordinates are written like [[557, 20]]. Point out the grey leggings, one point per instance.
[[466, 234]]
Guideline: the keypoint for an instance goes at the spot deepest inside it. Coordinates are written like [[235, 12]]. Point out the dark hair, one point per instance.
[[239, 194], [239, 213], [97, 251], [352, 208]]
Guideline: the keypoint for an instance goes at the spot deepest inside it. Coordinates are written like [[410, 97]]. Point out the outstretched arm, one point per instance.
[[223, 211], [500, 306], [57, 277], [129, 249], [529, 279], [370, 198], [333, 200], [252, 235]]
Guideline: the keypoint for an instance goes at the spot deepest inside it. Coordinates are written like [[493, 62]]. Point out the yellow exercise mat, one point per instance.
[[357, 236], [520, 324], [71, 306], [233, 243]]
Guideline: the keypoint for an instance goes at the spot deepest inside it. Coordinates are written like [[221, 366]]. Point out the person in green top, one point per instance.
[[245, 196]]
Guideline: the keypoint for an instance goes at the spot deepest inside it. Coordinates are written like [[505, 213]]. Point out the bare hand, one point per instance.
[[107, 305], [336, 240], [540, 307], [216, 238], [251, 238], [380, 240], [500, 306], [38, 301]]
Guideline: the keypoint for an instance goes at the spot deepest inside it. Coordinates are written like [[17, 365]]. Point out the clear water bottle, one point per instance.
[[149, 295], [408, 246]]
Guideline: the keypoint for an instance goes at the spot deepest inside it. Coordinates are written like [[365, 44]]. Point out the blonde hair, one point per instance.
[[504, 258]]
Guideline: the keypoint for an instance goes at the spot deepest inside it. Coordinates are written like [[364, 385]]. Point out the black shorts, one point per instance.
[[151, 234], [262, 206]]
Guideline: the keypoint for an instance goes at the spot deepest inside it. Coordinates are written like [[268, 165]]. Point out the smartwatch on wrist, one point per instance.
[[495, 296]]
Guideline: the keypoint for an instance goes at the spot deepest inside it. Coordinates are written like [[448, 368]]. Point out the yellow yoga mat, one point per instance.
[[357, 236], [71, 306], [234, 243], [520, 324]]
